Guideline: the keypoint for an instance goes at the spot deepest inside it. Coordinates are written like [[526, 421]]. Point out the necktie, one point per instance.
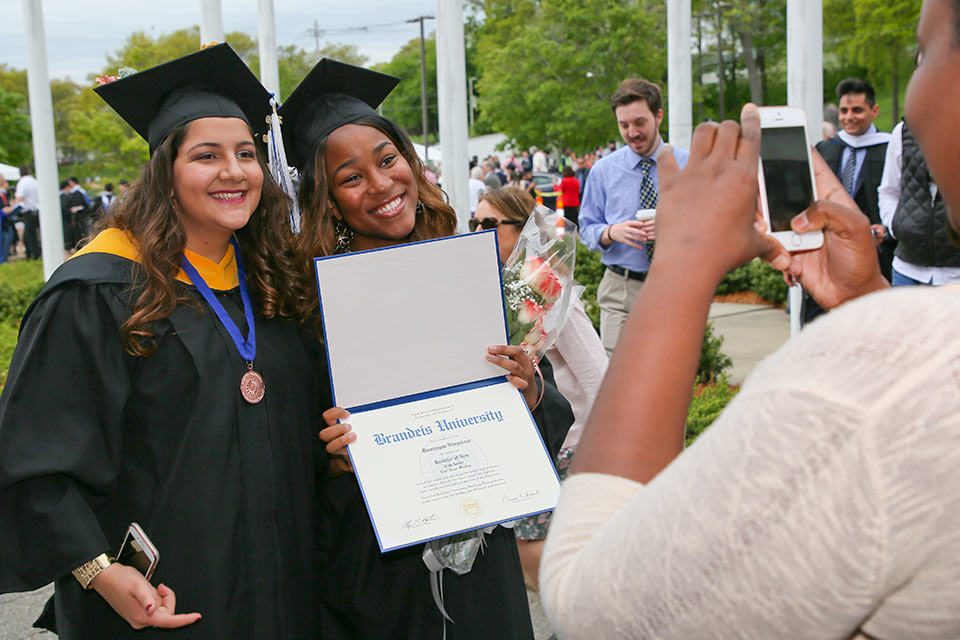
[[648, 195], [847, 175]]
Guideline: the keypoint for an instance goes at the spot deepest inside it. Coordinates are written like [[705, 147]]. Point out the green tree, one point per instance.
[[294, 63], [550, 66], [15, 143], [404, 105], [879, 35]]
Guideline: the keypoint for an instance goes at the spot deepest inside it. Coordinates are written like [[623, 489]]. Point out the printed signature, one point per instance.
[[422, 521], [521, 496]]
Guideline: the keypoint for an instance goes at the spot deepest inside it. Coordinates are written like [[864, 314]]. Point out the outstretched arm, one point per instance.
[[706, 227]]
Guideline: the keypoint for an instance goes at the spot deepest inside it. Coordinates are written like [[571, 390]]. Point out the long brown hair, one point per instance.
[[146, 211], [513, 202], [434, 219]]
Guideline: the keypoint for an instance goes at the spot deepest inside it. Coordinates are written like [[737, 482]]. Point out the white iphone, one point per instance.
[[138, 551], [787, 185]]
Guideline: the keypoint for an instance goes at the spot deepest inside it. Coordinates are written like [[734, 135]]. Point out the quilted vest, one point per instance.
[[920, 223]]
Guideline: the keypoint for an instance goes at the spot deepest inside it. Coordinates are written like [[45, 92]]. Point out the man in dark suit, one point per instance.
[[857, 154]]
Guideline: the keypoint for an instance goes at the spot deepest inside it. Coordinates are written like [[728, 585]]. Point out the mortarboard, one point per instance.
[[213, 82], [333, 94]]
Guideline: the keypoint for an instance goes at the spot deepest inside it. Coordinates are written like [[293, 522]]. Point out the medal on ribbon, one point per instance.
[[252, 387]]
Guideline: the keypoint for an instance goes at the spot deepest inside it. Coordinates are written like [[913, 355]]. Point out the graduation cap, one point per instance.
[[333, 94], [213, 82]]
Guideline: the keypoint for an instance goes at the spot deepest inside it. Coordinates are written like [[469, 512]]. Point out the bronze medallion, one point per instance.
[[252, 387]]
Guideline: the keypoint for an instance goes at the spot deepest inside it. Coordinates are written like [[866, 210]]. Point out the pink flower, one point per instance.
[[534, 336], [530, 311], [105, 79], [542, 279], [530, 267]]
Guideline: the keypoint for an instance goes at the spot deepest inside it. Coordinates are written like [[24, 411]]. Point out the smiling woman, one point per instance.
[[363, 187], [216, 183], [184, 401]]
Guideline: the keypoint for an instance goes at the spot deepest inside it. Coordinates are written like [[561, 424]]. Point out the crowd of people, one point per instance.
[[79, 212], [183, 343]]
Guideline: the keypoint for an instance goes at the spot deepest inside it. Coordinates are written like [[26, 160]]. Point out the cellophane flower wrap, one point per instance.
[[538, 284]]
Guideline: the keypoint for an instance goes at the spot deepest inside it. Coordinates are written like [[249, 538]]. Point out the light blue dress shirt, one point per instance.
[[611, 195]]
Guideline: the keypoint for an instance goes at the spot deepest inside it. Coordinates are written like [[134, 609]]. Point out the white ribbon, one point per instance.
[[870, 138], [279, 168], [433, 558]]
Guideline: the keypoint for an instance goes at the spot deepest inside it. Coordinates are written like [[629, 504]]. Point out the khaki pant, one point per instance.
[[615, 295]]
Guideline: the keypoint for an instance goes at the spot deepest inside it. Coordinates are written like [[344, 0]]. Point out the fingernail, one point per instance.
[[492, 358], [800, 222], [492, 349], [351, 437], [150, 608]]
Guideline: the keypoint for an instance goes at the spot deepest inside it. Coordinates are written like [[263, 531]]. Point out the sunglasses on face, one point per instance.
[[491, 223]]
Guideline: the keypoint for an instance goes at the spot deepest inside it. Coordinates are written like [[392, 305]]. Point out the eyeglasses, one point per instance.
[[491, 223]]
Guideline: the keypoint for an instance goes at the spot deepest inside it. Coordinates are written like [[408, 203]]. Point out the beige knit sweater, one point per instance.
[[824, 503]]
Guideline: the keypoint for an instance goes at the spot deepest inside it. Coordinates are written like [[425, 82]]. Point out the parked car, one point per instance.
[[548, 187]]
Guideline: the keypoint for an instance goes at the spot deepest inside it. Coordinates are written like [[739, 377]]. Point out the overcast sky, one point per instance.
[[79, 33]]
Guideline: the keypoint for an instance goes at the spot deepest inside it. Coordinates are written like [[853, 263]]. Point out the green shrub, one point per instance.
[[706, 405], [736, 281], [588, 272], [767, 282], [713, 362], [20, 282], [756, 276], [8, 341]]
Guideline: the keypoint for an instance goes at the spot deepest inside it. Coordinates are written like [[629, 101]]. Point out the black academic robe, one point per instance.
[[865, 190], [368, 595], [92, 438]]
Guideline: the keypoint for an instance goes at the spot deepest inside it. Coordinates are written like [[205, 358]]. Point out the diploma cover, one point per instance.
[[444, 443]]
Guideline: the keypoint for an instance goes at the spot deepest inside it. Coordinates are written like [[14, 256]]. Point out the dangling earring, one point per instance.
[[344, 236], [419, 208]]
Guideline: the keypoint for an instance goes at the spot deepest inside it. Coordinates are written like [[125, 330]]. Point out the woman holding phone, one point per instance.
[[155, 381], [823, 502], [363, 187]]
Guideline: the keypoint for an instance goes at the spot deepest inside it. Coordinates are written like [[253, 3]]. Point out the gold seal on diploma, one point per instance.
[[471, 507]]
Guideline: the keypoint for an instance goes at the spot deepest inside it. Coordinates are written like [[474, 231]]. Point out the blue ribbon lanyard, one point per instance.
[[248, 347]]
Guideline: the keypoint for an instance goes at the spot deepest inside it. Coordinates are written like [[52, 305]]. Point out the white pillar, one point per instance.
[[211, 22], [269, 67], [795, 295], [44, 139], [679, 73], [805, 86], [805, 62], [452, 103]]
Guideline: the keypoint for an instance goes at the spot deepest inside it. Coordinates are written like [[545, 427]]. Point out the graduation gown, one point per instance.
[[92, 438], [368, 595]]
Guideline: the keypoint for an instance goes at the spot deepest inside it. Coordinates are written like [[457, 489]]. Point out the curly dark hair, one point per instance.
[[435, 220], [147, 213]]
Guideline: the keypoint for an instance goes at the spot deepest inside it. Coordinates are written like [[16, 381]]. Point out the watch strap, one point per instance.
[[86, 572]]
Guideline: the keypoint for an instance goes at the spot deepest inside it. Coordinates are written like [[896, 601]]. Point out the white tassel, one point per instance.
[[278, 164]]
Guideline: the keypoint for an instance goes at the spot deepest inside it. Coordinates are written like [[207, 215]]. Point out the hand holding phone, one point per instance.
[[846, 266], [138, 551], [785, 173]]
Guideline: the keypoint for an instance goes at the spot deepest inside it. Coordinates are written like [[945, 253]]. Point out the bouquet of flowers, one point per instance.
[[538, 283]]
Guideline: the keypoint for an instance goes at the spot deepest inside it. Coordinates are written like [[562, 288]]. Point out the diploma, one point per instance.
[[444, 443]]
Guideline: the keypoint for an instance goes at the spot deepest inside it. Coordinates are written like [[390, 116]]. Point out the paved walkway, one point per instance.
[[750, 333]]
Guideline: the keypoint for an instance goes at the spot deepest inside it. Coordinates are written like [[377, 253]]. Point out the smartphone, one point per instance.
[[138, 551], [787, 186]]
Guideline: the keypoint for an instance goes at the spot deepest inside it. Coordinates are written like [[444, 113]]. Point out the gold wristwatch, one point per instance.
[[86, 572]]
